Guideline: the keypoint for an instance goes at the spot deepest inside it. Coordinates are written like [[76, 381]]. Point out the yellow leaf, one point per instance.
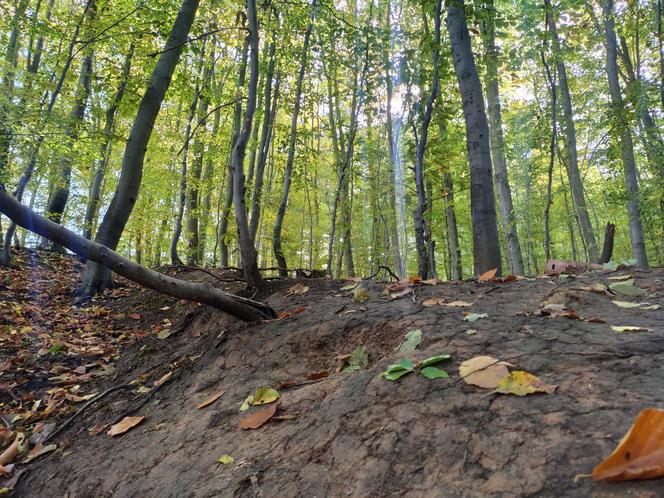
[[124, 425], [640, 453], [265, 395], [483, 371], [627, 328], [522, 383], [226, 459]]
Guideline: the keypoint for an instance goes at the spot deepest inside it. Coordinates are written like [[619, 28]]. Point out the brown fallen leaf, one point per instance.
[[318, 375], [461, 304], [486, 276], [433, 301], [124, 425], [483, 371], [297, 289], [405, 292], [640, 453], [39, 450], [286, 314], [134, 316], [163, 379], [259, 417], [210, 400], [12, 450]]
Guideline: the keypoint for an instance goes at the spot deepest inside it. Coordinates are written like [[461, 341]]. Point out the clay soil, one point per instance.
[[356, 434]]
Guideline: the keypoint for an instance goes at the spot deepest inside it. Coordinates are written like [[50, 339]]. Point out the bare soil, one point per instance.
[[356, 434]]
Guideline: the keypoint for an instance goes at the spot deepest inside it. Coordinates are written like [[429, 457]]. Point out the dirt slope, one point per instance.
[[356, 434]]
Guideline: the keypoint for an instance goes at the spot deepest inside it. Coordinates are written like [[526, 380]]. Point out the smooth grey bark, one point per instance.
[[574, 176], [206, 184], [497, 140], [242, 308], [243, 53], [98, 277], [399, 263], [486, 243], [101, 164], [422, 232], [248, 255], [5, 259], [625, 138], [288, 172]]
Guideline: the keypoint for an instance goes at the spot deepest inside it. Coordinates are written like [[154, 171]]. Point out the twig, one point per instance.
[[71, 419], [382, 267], [147, 398], [195, 38]]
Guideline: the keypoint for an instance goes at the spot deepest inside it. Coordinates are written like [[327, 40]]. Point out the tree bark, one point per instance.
[[244, 309], [97, 277], [101, 164], [501, 178], [422, 233], [574, 176], [283, 203], [625, 138], [245, 240], [552, 154], [486, 243], [607, 251]]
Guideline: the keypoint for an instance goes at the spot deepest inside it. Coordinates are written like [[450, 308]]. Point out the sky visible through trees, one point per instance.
[[440, 138]]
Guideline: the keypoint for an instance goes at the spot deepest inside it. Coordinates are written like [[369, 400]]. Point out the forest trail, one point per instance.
[[345, 434]]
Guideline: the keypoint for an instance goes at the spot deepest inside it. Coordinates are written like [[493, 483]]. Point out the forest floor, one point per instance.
[[334, 433]]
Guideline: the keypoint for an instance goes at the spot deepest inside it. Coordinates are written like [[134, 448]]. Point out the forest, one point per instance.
[[353, 184]]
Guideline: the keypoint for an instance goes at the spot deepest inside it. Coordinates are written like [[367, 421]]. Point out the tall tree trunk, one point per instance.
[[625, 138], [486, 243], [245, 240], [393, 230], [243, 53], [501, 178], [206, 183], [660, 49], [283, 203], [552, 154], [97, 277], [574, 176], [422, 234], [101, 164]]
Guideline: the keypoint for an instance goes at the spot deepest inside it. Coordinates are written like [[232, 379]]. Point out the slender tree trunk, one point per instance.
[[501, 178], [486, 243], [245, 240], [283, 203], [552, 155], [625, 139], [97, 277], [243, 53], [206, 205], [101, 164], [422, 234], [660, 49], [574, 176], [453, 248]]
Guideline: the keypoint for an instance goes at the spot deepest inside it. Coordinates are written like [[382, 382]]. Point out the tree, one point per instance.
[[486, 244], [98, 277], [624, 133]]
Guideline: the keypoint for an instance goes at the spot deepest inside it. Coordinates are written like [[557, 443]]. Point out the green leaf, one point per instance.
[[432, 360], [226, 459], [264, 395], [358, 360], [434, 373], [246, 403], [413, 339], [395, 375], [398, 370], [627, 288], [164, 333], [472, 317], [56, 348]]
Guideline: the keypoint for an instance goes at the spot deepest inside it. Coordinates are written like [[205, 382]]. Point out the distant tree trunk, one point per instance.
[[551, 81], [245, 240], [501, 178], [422, 234], [607, 251], [660, 49], [627, 147], [453, 248], [101, 163], [486, 243], [399, 264], [206, 182], [97, 277], [270, 108], [283, 203], [242, 308], [574, 176], [243, 53], [5, 259]]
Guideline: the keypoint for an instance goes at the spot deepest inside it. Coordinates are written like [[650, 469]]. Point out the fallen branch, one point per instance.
[[382, 267], [239, 307]]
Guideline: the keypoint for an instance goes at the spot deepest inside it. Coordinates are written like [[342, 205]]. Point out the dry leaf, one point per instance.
[[318, 375], [297, 289], [431, 281], [522, 383], [210, 400], [134, 316], [163, 379], [124, 425], [433, 301], [640, 453], [460, 304], [258, 418], [486, 276], [402, 293], [10, 453], [483, 371], [39, 450]]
